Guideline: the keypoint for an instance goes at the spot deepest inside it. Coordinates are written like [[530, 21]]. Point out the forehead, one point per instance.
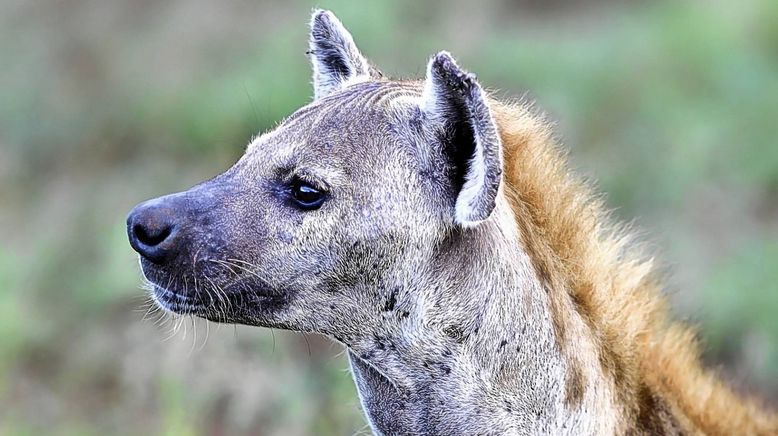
[[360, 123]]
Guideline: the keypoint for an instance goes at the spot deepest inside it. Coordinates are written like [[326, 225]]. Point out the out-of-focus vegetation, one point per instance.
[[671, 105]]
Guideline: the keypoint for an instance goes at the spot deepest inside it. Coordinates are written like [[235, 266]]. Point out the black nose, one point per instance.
[[151, 227]]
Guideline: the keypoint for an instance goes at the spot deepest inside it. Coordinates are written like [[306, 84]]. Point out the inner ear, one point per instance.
[[458, 145], [335, 58]]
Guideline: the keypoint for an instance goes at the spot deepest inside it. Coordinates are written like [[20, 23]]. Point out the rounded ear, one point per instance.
[[335, 57], [454, 103]]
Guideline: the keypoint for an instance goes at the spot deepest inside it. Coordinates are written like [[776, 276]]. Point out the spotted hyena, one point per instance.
[[435, 233]]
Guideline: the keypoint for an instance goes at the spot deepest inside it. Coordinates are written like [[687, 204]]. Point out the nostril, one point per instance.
[[154, 229], [151, 237]]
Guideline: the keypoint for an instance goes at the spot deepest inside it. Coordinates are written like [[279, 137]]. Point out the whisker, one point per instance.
[[194, 334], [207, 334], [308, 344]]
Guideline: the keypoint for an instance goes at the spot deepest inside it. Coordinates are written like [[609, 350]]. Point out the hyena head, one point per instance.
[[327, 219]]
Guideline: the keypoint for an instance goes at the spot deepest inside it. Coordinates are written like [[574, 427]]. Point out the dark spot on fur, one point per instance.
[[503, 343], [404, 314], [379, 342], [456, 333], [391, 301]]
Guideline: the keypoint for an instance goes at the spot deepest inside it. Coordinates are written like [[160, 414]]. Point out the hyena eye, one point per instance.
[[307, 196]]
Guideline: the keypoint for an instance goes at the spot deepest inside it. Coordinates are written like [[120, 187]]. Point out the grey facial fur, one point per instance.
[[412, 261]]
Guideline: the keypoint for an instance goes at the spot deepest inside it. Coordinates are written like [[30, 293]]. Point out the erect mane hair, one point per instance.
[[592, 266]]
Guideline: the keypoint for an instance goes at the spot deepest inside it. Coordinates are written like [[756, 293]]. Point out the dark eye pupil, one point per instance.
[[306, 195]]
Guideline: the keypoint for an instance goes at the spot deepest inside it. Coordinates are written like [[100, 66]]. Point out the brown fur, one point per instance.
[[591, 270]]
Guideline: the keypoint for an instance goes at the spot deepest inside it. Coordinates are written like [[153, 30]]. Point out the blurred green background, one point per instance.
[[671, 105]]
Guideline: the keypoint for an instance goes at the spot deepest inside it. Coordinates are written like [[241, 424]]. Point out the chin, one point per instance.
[[175, 302]]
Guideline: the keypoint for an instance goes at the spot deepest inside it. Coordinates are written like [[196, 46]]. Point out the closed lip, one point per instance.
[[175, 302]]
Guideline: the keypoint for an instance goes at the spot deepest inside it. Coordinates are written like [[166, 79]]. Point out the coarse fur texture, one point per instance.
[[439, 235], [592, 266]]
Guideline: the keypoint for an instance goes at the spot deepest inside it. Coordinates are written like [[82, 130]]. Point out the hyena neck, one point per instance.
[[478, 355]]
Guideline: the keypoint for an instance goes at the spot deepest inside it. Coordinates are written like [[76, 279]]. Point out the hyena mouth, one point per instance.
[[176, 302], [241, 301]]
